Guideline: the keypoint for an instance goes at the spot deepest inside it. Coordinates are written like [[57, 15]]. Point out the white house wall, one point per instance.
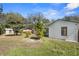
[[55, 30]]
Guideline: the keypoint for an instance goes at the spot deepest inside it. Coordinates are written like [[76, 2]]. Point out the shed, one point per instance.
[[9, 31]]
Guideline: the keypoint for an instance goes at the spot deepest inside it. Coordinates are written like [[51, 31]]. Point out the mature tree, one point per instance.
[[38, 23], [13, 18], [15, 21], [39, 28], [33, 18]]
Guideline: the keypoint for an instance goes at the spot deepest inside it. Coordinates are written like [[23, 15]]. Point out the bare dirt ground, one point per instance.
[[11, 42]]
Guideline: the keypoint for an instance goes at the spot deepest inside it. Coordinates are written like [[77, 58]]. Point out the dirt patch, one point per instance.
[[11, 42], [32, 43]]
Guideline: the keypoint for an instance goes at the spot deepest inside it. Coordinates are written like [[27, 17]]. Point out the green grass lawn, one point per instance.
[[47, 47]]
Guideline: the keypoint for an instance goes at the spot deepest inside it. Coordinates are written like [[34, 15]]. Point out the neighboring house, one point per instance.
[[9, 31], [65, 30]]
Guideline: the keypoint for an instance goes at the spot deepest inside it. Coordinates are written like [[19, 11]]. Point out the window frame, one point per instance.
[[64, 31]]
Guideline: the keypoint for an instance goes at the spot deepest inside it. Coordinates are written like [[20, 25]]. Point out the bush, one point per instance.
[[7, 26], [16, 30], [1, 29]]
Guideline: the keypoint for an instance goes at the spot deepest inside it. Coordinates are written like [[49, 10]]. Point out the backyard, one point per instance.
[[20, 46]]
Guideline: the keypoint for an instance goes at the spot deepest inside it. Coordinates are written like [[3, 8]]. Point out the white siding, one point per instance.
[[55, 30]]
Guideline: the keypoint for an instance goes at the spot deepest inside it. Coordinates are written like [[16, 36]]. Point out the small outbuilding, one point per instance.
[[67, 30], [9, 31]]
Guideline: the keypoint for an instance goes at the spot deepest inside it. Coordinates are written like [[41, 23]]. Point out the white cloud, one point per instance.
[[50, 11], [70, 13], [72, 6], [52, 14]]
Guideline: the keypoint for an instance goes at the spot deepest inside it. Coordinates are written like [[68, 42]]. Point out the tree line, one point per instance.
[[36, 22]]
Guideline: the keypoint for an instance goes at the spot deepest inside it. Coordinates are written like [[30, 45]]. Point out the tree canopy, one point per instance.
[[13, 19]]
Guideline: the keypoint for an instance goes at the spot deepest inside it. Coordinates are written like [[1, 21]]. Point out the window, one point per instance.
[[64, 31]]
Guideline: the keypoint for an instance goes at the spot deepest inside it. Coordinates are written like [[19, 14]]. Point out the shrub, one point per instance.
[[16, 30], [7, 26], [1, 29]]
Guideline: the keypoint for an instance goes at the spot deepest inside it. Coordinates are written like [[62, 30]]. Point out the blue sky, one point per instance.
[[49, 10]]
